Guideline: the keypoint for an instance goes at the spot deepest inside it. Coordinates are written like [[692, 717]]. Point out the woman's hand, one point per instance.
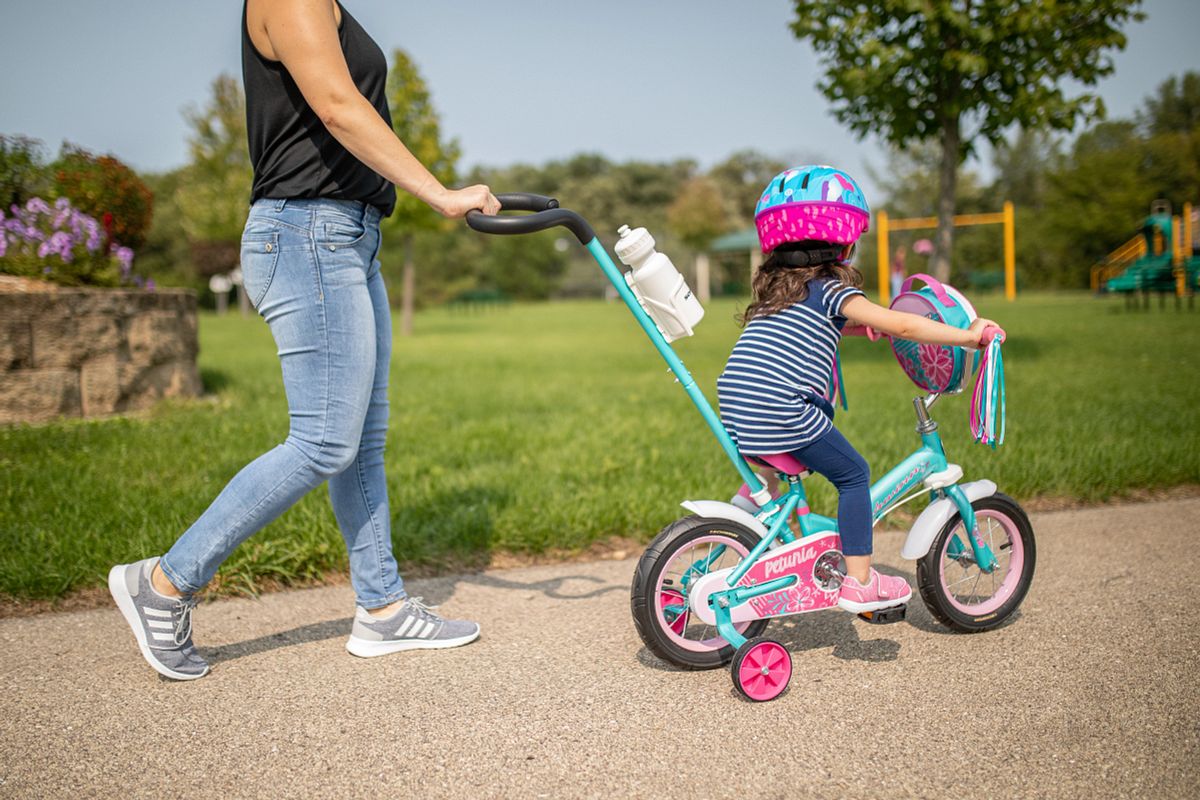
[[455, 203]]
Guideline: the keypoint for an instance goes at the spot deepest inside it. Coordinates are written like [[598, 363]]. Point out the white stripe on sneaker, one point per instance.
[[156, 612], [404, 628], [424, 634], [161, 625], [163, 636]]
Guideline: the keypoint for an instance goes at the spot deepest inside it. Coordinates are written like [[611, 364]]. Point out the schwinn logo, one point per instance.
[[785, 564], [902, 485]]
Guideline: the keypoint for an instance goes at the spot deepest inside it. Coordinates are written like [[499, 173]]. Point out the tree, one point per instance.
[[959, 70], [23, 173], [416, 122], [740, 179], [697, 216], [214, 193], [1176, 106]]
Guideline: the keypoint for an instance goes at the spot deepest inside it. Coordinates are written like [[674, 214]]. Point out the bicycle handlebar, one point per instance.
[[991, 332], [546, 214]]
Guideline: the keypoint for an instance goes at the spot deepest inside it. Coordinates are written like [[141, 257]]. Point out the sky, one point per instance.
[[513, 82]]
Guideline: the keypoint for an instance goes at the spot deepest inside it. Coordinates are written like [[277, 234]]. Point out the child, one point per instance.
[[772, 390]]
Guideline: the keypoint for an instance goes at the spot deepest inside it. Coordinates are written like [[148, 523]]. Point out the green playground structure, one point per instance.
[[1160, 260]]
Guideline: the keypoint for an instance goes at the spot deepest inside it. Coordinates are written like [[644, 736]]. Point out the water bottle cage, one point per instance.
[[661, 312]]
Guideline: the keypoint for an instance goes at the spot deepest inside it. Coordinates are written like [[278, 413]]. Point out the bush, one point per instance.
[[104, 188], [23, 174], [61, 244]]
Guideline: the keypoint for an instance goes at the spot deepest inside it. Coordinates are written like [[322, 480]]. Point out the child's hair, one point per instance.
[[779, 283]]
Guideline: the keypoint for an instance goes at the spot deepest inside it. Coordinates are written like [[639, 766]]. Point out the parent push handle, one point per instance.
[[546, 214]]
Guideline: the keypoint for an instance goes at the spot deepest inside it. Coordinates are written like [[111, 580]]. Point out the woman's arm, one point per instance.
[[913, 327], [303, 35]]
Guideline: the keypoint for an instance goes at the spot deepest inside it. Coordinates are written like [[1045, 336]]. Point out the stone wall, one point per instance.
[[92, 352]]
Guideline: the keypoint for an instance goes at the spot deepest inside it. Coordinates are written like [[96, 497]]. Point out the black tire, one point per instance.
[[644, 591], [937, 596]]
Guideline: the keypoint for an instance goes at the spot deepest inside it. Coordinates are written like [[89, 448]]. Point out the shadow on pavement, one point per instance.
[[832, 629], [437, 591], [316, 632], [434, 591]]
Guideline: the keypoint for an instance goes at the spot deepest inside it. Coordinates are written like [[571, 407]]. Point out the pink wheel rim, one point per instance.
[[669, 601], [968, 589], [676, 628], [764, 671]]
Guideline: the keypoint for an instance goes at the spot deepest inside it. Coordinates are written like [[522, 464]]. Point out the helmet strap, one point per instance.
[[808, 258]]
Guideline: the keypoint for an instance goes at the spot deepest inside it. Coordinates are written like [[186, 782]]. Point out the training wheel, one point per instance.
[[761, 669]]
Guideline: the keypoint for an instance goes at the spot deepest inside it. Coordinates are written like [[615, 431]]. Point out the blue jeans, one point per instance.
[[835, 458], [309, 268]]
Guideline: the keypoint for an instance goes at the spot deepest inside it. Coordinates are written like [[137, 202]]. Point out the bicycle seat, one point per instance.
[[783, 462]]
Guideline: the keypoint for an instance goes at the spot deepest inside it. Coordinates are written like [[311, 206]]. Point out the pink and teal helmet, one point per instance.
[[811, 203]]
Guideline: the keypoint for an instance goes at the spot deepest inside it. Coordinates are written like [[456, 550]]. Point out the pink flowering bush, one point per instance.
[[60, 243]]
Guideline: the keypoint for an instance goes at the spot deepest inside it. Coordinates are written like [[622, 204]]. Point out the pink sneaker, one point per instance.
[[881, 591]]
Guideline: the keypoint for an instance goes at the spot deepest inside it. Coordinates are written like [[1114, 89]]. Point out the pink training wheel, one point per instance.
[[761, 669]]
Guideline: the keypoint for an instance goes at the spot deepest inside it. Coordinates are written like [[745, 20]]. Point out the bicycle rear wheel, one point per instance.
[[684, 551]]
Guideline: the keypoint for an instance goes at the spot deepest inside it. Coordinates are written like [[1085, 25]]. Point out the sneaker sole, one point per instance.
[[878, 605], [364, 648], [116, 587]]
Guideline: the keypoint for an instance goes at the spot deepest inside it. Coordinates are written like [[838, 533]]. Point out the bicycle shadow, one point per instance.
[[834, 629]]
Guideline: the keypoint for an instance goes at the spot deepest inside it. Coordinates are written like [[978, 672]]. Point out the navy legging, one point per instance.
[[836, 459]]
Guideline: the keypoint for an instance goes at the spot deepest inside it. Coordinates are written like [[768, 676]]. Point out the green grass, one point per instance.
[[557, 425]]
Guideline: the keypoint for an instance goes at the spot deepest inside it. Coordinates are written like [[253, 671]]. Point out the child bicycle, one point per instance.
[[707, 586]]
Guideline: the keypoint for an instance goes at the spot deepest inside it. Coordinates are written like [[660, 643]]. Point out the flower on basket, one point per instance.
[[938, 364]]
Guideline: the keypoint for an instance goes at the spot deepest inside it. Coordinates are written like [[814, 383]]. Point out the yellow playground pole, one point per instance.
[[1177, 255], [1010, 252], [881, 227], [1187, 230], [1007, 218]]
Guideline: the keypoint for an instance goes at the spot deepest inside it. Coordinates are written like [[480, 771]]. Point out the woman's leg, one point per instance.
[[320, 313], [359, 493]]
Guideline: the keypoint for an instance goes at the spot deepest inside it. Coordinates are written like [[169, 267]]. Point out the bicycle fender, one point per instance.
[[925, 529], [719, 510]]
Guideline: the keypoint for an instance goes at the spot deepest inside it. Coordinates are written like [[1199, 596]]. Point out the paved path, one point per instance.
[[1092, 691]]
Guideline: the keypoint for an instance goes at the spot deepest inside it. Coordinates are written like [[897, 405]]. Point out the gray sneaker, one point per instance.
[[413, 627], [161, 625]]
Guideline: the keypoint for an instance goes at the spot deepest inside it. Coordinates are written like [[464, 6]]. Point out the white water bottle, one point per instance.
[[659, 287]]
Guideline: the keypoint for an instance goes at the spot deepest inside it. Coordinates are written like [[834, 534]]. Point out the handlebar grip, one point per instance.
[[524, 201], [546, 214], [991, 332]]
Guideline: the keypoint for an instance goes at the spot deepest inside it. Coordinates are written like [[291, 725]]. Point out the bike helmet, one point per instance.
[[811, 204]]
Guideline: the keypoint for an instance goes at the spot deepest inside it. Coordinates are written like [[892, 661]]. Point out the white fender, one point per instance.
[[715, 508], [921, 536]]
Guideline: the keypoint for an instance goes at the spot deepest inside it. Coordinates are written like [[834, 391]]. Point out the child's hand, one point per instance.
[[976, 333]]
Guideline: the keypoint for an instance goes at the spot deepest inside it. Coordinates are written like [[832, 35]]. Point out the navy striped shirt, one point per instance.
[[773, 388]]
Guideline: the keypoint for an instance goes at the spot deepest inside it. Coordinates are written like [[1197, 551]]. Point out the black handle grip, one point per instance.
[[546, 214], [523, 201]]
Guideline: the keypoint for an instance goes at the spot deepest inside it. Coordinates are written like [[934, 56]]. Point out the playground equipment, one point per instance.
[[1159, 260], [884, 225], [707, 586]]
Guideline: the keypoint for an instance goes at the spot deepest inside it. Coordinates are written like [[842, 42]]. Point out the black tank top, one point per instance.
[[293, 154]]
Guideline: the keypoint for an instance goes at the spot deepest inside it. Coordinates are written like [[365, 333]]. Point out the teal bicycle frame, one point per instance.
[[899, 482]]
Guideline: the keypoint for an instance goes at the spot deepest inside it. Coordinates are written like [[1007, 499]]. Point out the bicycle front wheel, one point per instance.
[[957, 592]]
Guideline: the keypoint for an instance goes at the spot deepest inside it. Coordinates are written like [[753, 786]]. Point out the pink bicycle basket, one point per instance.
[[934, 367]]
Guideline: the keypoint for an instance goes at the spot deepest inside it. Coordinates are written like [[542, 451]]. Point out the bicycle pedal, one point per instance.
[[885, 616]]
